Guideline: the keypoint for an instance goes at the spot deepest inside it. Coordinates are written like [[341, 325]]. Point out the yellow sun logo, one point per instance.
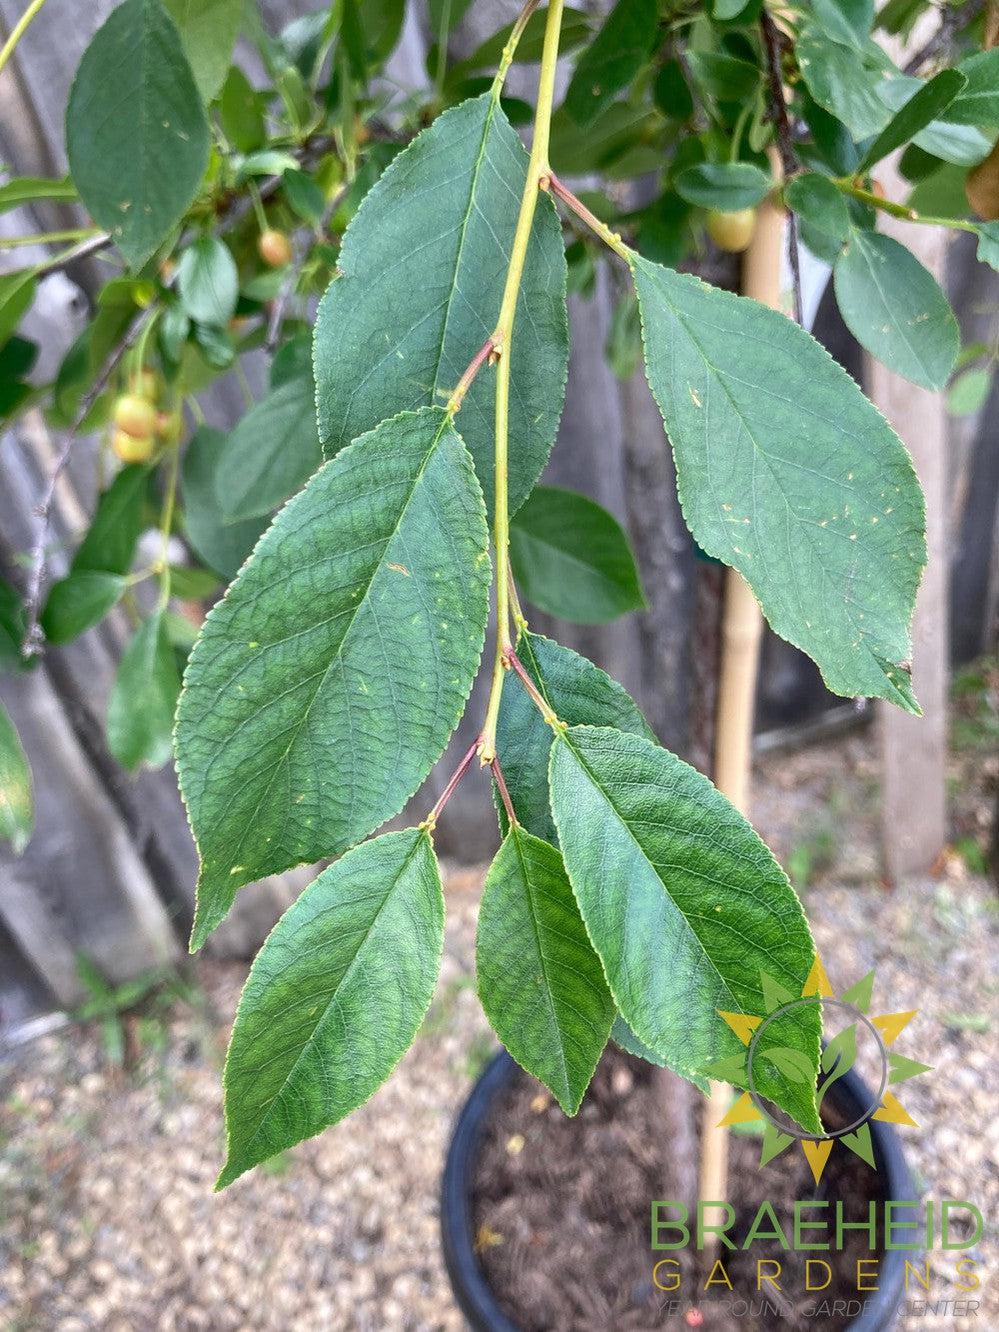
[[839, 1054]]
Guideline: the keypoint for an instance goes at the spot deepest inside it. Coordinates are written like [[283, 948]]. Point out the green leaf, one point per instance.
[[144, 697], [540, 982], [824, 215], [208, 30], [325, 684], [424, 263], [622, 1035], [988, 244], [79, 601], [241, 112], [846, 21], [725, 185], [17, 814], [223, 546], [271, 453], [571, 558], [894, 307], [724, 77], [575, 31], [31, 189], [304, 195], [17, 291], [579, 693], [968, 392], [925, 104], [682, 901], [613, 59], [961, 144], [978, 102], [845, 80], [724, 10], [789, 474], [208, 282], [335, 997], [111, 538], [136, 131]]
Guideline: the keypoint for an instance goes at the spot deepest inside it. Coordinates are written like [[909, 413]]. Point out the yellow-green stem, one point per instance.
[[48, 237], [166, 523], [538, 170], [17, 32], [901, 211]]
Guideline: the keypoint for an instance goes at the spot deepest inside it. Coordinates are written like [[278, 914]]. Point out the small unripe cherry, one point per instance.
[[732, 231], [170, 427], [274, 248], [131, 449], [134, 414]]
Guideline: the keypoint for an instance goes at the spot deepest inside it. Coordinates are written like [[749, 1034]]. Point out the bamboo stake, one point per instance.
[[742, 629]]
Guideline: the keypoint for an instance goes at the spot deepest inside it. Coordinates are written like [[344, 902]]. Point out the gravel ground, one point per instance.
[[108, 1221]]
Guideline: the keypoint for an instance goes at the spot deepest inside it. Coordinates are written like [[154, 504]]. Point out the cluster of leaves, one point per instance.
[[628, 898]]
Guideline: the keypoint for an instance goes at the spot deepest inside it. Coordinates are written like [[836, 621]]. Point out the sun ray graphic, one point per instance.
[[838, 1056]]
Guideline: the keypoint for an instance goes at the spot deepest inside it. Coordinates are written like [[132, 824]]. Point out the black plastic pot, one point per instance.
[[473, 1292]]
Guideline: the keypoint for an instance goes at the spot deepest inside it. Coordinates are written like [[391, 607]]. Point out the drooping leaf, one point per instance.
[[571, 558], [795, 479], [334, 998], [895, 308], [540, 982], [208, 282], [110, 540], [923, 107], [79, 601], [682, 901], [325, 684], [136, 131], [612, 60], [271, 453], [17, 813], [208, 31], [579, 693], [978, 101], [304, 195], [223, 546], [424, 263], [31, 189], [725, 185], [846, 21], [144, 697]]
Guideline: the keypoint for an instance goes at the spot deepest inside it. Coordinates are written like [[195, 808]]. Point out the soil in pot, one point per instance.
[[562, 1215]]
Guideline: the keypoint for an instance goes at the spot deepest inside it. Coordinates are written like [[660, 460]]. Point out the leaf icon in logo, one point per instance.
[[838, 1057], [794, 1065]]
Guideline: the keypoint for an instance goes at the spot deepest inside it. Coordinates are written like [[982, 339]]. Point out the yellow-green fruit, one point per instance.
[[982, 187], [274, 248], [170, 426], [131, 449], [732, 231], [134, 414]]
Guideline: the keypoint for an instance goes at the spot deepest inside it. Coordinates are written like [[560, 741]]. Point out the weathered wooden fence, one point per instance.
[[111, 868]]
